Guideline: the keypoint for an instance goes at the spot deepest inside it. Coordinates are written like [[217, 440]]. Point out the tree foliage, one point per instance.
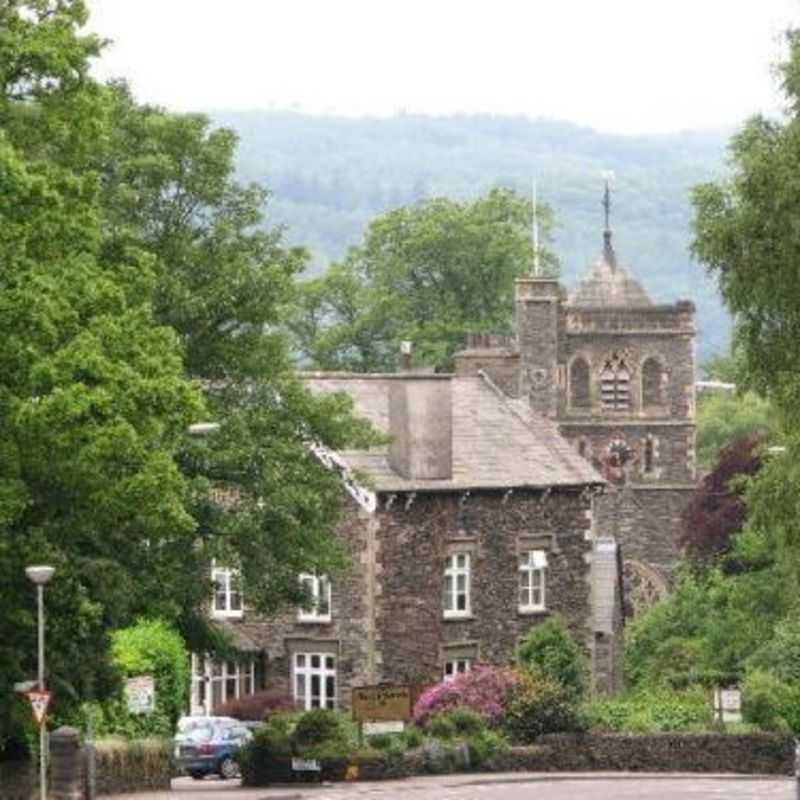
[[717, 511], [550, 650], [427, 273], [746, 233], [140, 292]]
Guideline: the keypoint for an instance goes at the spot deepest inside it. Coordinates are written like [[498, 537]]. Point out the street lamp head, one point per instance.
[[39, 574]]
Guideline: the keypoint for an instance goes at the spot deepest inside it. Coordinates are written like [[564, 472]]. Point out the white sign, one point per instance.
[[140, 694], [376, 728], [306, 765], [39, 703], [728, 705]]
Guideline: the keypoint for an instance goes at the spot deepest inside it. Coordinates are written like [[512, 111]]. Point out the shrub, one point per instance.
[[765, 700], [256, 707], [323, 734], [441, 727], [465, 721], [550, 650], [484, 690], [151, 647], [781, 654], [539, 705], [483, 746], [412, 737], [132, 766], [653, 712]]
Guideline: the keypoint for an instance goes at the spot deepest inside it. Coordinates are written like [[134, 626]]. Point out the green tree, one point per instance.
[[139, 294], [428, 273], [745, 232], [549, 650]]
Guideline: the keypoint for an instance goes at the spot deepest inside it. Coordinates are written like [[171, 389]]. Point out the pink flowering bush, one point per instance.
[[484, 689]]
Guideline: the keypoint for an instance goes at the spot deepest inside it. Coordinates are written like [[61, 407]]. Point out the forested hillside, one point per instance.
[[331, 175]]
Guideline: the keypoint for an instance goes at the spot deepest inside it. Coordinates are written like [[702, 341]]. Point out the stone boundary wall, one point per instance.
[[749, 754], [135, 766], [18, 780]]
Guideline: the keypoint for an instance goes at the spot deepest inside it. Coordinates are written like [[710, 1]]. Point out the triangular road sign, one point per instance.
[[39, 703]]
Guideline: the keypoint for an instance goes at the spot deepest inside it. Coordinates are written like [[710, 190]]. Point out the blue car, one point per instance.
[[211, 749]]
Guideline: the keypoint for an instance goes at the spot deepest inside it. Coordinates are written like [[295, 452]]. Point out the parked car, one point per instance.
[[210, 747]]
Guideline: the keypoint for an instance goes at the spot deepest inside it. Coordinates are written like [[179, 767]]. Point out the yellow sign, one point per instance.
[[381, 703]]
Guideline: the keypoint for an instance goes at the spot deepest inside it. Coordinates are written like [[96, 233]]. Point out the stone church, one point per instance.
[[616, 372], [499, 501]]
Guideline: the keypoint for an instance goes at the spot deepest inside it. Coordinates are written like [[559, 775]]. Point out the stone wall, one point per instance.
[[414, 636], [751, 754], [350, 633], [18, 780]]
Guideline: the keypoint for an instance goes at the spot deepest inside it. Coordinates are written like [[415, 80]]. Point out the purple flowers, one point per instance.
[[484, 689]]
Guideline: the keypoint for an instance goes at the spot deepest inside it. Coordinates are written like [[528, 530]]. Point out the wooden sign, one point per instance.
[[382, 703], [39, 703]]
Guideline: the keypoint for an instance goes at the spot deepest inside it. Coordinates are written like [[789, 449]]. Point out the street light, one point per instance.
[[40, 575]]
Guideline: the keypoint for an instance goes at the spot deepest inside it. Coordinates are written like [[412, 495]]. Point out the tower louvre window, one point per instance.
[[615, 385]]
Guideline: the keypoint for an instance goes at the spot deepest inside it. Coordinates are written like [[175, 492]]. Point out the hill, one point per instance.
[[331, 175]]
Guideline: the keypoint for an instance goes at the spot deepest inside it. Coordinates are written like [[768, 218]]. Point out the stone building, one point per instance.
[[615, 371], [478, 524]]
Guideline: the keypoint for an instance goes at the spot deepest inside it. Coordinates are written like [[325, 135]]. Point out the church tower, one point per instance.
[[627, 403], [616, 371]]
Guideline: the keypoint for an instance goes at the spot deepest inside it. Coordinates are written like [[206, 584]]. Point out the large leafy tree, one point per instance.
[[428, 273], [746, 233], [139, 294]]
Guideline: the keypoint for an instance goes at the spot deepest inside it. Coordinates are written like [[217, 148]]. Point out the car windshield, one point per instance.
[[199, 735]]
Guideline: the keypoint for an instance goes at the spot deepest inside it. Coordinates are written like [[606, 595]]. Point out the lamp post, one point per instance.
[[40, 575]]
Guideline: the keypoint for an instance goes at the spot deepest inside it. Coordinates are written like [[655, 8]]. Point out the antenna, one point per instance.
[[535, 234]]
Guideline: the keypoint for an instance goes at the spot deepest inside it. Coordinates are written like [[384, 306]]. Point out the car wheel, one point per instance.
[[228, 768], [198, 776]]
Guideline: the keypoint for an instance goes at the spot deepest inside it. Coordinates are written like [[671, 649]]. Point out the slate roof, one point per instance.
[[608, 284], [497, 442]]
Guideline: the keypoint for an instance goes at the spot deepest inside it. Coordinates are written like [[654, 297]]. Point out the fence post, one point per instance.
[[66, 765]]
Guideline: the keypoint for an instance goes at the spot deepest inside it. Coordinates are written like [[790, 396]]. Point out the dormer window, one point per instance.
[[615, 385]]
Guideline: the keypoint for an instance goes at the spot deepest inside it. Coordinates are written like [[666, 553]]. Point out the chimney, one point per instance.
[[421, 426], [405, 356]]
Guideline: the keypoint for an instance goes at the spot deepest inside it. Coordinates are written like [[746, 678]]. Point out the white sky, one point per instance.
[[627, 66]]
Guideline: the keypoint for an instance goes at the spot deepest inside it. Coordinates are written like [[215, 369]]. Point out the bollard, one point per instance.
[[797, 767], [66, 765]]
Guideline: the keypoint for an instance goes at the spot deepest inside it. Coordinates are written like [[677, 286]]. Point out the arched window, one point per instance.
[[615, 385], [579, 396], [652, 383]]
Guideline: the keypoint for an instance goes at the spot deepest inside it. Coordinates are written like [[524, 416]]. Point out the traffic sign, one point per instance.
[[39, 703]]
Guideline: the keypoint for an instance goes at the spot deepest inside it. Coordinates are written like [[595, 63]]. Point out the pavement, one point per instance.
[[511, 786]]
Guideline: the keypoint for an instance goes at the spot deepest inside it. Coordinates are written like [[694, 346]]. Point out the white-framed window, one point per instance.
[[532, 580], [456, 666], [227, 599], [314, 680], [318, 588], [216, 682], [457, 600]]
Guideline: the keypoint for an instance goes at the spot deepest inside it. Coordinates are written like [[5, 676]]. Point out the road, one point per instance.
[[597, 786]]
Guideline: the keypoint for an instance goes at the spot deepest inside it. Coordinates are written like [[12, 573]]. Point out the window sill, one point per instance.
[[454, 617], [524, 611], [227, 614], [314, 620]]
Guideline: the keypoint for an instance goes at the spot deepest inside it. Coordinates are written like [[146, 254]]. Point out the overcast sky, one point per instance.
[[627, 66]]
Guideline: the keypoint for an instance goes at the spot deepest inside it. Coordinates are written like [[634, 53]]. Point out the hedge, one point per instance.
[[133, 766]]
